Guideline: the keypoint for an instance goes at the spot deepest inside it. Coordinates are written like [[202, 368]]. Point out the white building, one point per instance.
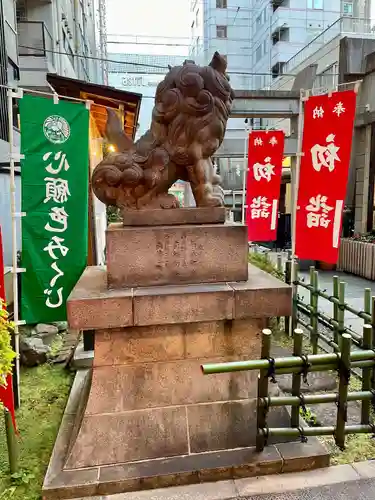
[[39, 37], [141, 77], [56, 37], [266, 39]]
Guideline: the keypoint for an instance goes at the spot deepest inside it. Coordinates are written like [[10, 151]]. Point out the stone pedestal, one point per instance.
[[174, 255], [145, 416]]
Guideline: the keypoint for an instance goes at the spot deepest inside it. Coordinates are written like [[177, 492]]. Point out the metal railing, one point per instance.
[[344, 25], [300, 365], [34, 40]]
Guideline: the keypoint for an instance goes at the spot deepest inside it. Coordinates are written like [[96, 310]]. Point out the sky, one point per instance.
[[149, 18]]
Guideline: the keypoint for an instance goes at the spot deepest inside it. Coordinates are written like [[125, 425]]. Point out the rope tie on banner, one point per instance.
[[305, 368], [271, 370]]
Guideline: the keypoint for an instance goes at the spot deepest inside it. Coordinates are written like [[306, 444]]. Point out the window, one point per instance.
[[197, 18], [347, 8], [259, 20], [258, 53], [315, 4], [221, 31], [265, 46], [265, 14], [221, 4]]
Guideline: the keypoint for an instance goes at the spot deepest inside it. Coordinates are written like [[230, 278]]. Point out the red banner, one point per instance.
[[265, 158], [6, 386], [326, 146]]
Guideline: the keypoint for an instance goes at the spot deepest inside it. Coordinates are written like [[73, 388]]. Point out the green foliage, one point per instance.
[[309, 417], [365, 238], [7, 354], [56, 346], [113, 215], [44, 392], [262, 261]]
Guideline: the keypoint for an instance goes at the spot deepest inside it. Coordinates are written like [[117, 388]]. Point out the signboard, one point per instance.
[[54, 176], [326, 146], [265, 157]]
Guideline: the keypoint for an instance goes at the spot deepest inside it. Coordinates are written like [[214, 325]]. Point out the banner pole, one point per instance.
[[14, 242], [245, 167], [295, 174]]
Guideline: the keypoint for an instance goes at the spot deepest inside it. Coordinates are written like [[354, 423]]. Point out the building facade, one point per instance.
[[56, 37], [282, 28], [39, 37], [266, 43]]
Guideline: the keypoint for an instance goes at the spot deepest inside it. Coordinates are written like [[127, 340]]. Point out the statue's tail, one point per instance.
[[115, 133]]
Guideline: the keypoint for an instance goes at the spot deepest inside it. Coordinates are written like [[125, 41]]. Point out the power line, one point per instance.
[[250, 73]]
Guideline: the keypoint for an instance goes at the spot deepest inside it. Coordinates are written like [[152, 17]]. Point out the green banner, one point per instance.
[[54, 175]]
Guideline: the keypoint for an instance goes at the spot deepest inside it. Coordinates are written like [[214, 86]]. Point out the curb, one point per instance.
[[243, 488]]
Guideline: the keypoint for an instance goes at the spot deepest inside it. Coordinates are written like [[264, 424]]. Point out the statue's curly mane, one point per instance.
[[192, 106], [188, 100]]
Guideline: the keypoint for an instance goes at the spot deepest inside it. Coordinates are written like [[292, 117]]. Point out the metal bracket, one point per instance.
[[16, 156], [18, 270], [15, 95]]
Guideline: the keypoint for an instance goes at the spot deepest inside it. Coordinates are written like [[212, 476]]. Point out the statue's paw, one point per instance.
[[212, 200]]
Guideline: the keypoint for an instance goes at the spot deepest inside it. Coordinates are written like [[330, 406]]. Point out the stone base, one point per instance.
[[92, 306], [63, 483], [173, 217], [175, 255], [149, 400]]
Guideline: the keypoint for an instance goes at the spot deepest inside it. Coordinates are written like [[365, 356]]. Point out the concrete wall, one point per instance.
[[361, 165]]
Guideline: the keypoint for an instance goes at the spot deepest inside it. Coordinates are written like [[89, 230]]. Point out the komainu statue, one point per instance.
[[192, 106]]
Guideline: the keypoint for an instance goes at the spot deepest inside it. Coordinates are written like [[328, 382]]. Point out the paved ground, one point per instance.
[[354, 293], [357, 490]]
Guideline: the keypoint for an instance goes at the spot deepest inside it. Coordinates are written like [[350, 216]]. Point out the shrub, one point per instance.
[[7, 354]]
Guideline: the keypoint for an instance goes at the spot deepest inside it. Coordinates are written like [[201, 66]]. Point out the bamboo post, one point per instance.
[[342, 404], [263, 391], [336, 310], [280, 270], [12, 443], [314, 282], [288, 280], [296, 379], [341, 311], [366, 376], [279, 263], [367, 302], [294, 271]]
